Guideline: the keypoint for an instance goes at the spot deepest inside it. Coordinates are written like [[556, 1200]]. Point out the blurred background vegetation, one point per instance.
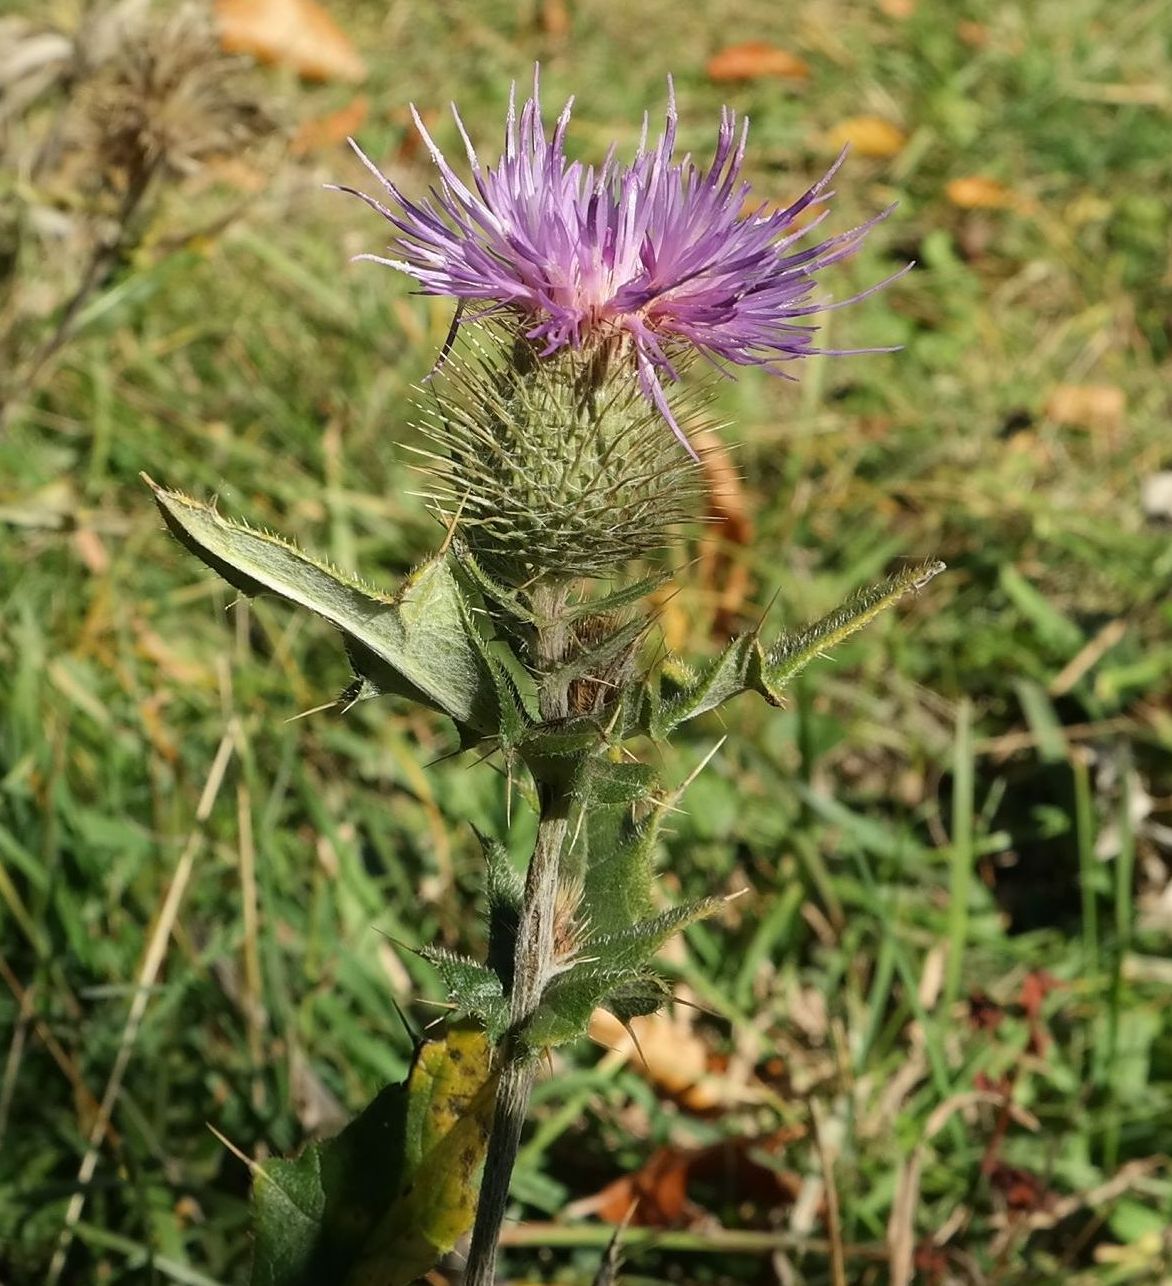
[[933, 1042]]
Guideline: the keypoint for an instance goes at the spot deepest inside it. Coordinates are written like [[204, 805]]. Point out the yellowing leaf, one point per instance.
[[291, 33], [378, 1204], [868, 136], [980, 193], [753, 60], [451, 1094]]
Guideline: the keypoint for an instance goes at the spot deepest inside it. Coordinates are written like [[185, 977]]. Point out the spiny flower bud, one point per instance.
[[552, 465]]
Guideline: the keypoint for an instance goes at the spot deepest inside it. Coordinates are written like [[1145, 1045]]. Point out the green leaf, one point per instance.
[[613, 857], [567, 1003], [715, 684], [636, 944], [623, 597], [504, 889], [312, 1213], [491, 588], [475, 988], [680, 693], [379, 1204], [594, 660], [793, 652], [415, 643], [602, 782]]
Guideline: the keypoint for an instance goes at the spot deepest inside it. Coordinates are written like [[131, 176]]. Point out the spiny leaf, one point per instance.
[[636, 944], [474, 987], [602, 782], [567, 1003], [491, 588], [793, 652], [618, 599], [594, 659], [414, 643], [503, 889], [744, 664], [614, 856], [715, 684]]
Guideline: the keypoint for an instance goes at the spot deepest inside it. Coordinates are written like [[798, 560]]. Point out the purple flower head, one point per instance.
[[656, 256]]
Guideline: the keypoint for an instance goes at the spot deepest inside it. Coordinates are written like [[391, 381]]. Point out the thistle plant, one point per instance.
[[559, 430]]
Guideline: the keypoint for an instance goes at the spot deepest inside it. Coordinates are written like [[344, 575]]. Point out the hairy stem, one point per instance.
[[533, 963]]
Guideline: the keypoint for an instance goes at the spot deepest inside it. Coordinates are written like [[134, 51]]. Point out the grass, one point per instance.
[[953, 951]]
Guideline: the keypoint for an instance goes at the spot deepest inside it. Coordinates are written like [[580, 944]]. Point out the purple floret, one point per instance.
[[656, 253]]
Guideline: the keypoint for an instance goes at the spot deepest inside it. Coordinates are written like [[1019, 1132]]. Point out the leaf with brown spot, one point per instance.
[[754, 60], [299, 34]]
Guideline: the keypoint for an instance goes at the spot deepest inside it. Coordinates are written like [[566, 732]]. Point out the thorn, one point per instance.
[[577, 831], [766, 610], [451, 532], [354, 700], [415, 1036], [329, 705], [248, 1161], [395, 942], [635, 1041], [446, 1005], [691, 777]]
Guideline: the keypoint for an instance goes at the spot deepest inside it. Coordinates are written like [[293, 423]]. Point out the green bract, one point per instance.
[[552, 466]]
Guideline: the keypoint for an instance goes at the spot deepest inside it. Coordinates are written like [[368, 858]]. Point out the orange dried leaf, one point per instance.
[[1088, 406], [91, 550], [666, 1050], [555, 19], [980, 193], [868, 136], [730, 525], [753, 60], [898, 9], [658, 1190], [291, 33], [322, 132]]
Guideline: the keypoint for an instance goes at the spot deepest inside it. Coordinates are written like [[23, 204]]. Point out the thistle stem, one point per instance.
[[533, 964]]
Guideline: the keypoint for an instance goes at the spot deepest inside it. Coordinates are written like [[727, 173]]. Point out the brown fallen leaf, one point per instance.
[[299, 34], [898, 9], [554, 17], [1099, 407], [868, 136], [328, 131], [90, 549], [660, 1192], [729, 527], [978, 192], [665, 1049], [753, 60]]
